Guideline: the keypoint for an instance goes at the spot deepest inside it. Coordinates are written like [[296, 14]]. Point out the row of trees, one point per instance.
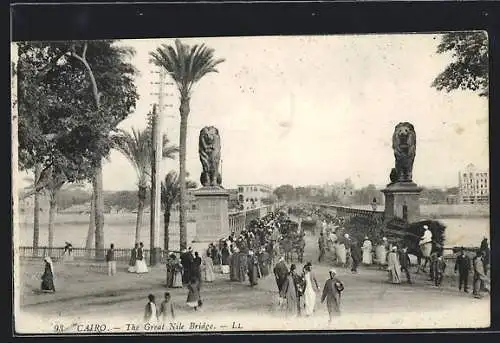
[[363, 196], [71, 97]]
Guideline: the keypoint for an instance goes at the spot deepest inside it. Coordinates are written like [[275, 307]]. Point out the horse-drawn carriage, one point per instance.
[[309, 225], [292, 241], [409, 234]]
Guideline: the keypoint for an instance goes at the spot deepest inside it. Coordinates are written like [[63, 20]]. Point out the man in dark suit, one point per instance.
[[463, 266], [404, 260], [355, 256]]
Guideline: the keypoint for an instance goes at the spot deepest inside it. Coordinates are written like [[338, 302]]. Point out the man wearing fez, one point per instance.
[[331, 292]]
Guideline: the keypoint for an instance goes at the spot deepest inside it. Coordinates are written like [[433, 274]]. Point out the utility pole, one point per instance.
[[156, 175]]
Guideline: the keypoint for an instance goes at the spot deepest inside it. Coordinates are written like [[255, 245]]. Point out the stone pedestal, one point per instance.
[[155, 256], [402, 201], [212, 220]]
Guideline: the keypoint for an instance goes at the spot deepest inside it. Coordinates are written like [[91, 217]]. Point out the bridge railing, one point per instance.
[[346, 211], [241, 219], [82, 254], [237, 222]]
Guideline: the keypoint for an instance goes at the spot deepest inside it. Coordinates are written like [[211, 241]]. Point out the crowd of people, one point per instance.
[[251, 254], [396, 260], [297, 290]]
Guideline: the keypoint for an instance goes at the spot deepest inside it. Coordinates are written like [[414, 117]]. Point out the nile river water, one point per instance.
[[120, 230]]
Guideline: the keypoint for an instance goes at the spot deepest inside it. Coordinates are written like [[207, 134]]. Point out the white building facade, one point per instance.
[[251, 196], [473, 185]]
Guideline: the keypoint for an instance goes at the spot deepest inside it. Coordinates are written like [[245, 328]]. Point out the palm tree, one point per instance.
[[138, 149], [186, 65], [170, 193]]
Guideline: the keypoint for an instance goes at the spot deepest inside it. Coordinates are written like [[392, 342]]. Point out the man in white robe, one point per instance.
[[367, 251]]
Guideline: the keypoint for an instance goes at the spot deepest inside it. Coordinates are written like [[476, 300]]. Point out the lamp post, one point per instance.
[[155, 249]]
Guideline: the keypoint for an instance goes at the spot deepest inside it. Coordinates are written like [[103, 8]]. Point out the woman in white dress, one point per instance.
[[341, 254], [140, 264], [207, 268], [309, 291], [367, 251], [381, 253]]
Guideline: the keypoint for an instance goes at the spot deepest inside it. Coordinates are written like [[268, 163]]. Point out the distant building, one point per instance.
[[473, 185], [344, 191], [27, 205], [250, 196], [452, 199], [233, 201]]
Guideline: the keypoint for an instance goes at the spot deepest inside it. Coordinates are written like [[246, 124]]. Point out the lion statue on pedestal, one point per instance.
[[209, 150], [404, 143]]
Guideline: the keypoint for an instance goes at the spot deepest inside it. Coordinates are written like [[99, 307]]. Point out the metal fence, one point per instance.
[[237, 222], [83, 254]]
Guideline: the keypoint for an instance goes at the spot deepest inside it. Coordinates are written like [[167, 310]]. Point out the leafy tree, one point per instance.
[[170, 195], [285, 192], [469, 69], [138, 149], [52, 188], [365, 195], [186, 65], [71, 96]]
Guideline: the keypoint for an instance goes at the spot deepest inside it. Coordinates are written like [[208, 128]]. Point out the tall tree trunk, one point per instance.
[[184, 111], [97, 180], [36, 213], [52, 214], [99, 211], [166, 223], [91, 232], [141, 195]]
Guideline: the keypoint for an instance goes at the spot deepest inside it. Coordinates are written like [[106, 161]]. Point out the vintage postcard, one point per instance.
[[230, 184]]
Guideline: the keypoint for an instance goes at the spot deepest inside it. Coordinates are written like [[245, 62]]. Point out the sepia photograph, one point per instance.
[[251, 183]]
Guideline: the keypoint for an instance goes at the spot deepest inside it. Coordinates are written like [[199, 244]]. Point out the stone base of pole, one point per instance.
[[402, 201], [155, 257], [212, 222]]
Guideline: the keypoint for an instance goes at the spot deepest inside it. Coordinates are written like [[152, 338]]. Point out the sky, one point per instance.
[[307, 110]]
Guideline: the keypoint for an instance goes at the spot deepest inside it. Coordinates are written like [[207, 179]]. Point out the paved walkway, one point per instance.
[[86, 294]]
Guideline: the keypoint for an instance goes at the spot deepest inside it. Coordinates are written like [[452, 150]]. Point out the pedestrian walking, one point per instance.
[[331, 293], [367, 251], [356, 256], [404, 260], [463, 266], [310, 290], [150, 312], [194, 298], [133, 259], [110, 260], [479, 275], [166, 309], [321, 246], [290, 294], [438, 270], [393, 266], [280, 273], [48, 276]]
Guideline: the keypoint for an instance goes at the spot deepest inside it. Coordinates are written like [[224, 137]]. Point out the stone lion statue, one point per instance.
[[209, 150], [404, 143]]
